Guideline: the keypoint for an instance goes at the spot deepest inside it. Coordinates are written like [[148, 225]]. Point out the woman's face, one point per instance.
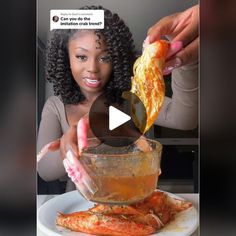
[[89, 62]]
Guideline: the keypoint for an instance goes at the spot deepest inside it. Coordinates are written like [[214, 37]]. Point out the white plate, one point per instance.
[[184, 224]]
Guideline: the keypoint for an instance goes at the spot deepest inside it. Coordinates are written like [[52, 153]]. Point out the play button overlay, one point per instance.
[[118, 124], [117, 118]]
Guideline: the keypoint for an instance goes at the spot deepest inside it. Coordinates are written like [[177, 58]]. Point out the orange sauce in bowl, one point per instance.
[[123, 175], [125, 189]]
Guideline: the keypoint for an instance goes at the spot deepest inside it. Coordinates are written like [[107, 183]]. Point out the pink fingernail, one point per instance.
[[171, 65], [70, 174], [43, 152], [70, 157], [82, 129], [146, 42], [174, 48], [78, 175], [69, 171], [82, 125], [177, 45], [73, 178], [66, 164]]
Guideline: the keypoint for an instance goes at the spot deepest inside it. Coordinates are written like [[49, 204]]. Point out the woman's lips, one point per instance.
[[92, 82]]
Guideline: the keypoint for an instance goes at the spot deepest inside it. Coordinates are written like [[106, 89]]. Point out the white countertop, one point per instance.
[[194, 198]]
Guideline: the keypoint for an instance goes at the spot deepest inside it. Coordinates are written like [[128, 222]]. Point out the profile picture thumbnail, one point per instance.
[[55, 18]]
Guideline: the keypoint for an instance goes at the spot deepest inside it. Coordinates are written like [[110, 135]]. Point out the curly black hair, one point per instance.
[[118, 39]]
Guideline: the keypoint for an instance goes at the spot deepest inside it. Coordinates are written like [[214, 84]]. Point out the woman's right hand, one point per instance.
[[179, 28], [75, 139]]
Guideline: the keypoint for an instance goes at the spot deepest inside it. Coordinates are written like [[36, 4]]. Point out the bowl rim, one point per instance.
[[158, 148]]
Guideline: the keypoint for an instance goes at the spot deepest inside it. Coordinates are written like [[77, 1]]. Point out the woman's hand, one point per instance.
[[182, 30], [71, 145], [75, 139]]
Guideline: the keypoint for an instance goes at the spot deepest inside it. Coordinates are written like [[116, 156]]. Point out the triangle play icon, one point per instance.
[[117, 118]]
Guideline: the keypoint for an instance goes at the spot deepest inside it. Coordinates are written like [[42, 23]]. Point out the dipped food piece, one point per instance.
[[148, 83]]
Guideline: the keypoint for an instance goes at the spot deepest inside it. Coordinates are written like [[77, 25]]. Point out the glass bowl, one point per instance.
[[125, 174]]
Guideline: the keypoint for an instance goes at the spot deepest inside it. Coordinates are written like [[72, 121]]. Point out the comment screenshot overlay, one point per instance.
[[76, 19]]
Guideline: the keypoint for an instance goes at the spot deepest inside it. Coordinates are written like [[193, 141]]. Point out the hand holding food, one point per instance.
[[182, 27]]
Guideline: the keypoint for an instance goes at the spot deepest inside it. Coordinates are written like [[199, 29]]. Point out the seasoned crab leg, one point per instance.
[[137, 219], [114, 209], [99, 224], [162, 205]]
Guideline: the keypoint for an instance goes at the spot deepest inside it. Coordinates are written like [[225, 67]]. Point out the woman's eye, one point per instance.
[[105, 59], [81, 57]]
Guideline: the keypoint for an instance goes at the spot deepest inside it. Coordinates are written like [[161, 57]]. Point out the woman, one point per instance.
[[83, 64]]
